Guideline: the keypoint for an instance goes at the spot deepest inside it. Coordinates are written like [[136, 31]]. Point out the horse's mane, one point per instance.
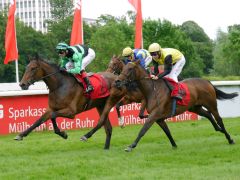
[[55, 66]]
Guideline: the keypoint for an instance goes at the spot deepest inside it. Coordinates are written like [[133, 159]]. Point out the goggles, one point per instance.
[[60, 51], [154, 53]]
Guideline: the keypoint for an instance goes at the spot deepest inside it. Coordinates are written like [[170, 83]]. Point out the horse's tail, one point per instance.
[[222, 95]]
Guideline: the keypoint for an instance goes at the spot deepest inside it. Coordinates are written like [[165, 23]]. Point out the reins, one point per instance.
[[44, 77]]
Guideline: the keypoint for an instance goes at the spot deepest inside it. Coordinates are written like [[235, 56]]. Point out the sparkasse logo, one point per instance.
[[1, 111]]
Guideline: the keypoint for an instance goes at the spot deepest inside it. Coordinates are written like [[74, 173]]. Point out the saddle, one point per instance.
[[99, 84], [178, 88]]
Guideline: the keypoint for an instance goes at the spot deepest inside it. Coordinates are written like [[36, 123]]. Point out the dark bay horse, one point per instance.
[[202, 93], [127, 95], [66, 96]]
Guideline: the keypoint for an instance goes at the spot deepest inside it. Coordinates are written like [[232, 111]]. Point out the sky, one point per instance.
[[211, 15]]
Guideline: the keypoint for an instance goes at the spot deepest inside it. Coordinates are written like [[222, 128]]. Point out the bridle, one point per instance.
[[127, 81], [32, 81]]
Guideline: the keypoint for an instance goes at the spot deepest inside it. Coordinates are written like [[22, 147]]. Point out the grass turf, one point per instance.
[[202, 153]]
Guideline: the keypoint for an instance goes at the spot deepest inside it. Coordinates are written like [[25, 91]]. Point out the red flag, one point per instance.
[[10, 35], [77, 30], [138, 26]]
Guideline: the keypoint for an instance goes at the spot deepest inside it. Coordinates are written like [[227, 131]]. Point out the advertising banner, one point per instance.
[[17, 113]]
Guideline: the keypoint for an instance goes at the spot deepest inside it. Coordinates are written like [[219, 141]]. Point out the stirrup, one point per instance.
[[89, 89], [178, 97]]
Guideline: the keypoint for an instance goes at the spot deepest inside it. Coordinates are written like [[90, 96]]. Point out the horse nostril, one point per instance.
[[118, 84], [23, 86]]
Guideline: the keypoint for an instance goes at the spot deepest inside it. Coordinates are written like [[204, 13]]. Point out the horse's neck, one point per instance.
[[55, 79], [150, 87]]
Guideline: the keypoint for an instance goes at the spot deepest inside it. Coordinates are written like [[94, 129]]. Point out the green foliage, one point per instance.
[[108, 40], [227, 52], [201, 42], [60, 9], [109, 35], [222, 78]]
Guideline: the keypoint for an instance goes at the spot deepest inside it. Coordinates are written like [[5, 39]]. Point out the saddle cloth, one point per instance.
[[99, 84], [183, 91]]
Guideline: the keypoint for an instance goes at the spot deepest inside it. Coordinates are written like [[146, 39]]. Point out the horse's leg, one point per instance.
[[103, 117], [142, 132], [57, 131], [165, 128], [202, 112], [143, 106], [120, 118], [67, 112], [214, 111], [108, 129], [37, 123]]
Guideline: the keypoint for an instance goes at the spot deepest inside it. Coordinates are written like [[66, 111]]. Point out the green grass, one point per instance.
[[202, 153], [221, 78]]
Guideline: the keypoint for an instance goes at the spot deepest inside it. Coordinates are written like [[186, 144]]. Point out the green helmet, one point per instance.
[[62, 46]]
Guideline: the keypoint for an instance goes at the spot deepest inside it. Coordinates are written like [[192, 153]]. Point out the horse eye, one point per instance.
[[33, 68]]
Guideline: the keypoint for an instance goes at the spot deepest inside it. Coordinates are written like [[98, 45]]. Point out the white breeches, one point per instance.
[[148, 60], [177, 69], [88, 59]]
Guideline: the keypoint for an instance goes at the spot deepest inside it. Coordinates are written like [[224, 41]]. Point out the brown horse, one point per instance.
[[66, 96], [127, 94], [203, 99]]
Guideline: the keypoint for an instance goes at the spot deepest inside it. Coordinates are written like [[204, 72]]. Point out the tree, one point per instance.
[[109, 39], [201, 42], [227, 52], [61, 9]]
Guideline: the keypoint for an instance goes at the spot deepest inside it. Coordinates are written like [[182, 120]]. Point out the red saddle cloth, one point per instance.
[[99, 84], [183, 91]]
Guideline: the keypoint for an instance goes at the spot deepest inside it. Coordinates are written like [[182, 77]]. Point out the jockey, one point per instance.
[[75, 59], [137, 54], [172, 59]]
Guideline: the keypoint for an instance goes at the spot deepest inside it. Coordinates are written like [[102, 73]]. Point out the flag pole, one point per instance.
[[17, 75]]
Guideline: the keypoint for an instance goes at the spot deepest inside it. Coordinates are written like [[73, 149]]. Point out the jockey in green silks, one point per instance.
[[75, 59]]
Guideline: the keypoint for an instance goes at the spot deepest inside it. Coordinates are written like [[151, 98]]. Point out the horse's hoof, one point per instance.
[[18, 138], [128, 149], [64, 135], [232, 142], [83, 138], [174, 147], [143, 116]]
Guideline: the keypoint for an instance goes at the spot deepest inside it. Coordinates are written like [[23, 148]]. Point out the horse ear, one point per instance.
[[119, 57], [29, 58]]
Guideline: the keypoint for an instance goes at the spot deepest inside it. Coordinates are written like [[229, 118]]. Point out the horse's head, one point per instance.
[[32, 73], [116, 65], [131, 72]]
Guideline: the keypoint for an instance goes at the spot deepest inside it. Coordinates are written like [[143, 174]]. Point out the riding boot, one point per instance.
[[174, 106], [178, 95], [89, 87]]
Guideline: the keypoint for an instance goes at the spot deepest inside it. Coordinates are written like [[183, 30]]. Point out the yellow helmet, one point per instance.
[[154, 47], [127, 51]]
